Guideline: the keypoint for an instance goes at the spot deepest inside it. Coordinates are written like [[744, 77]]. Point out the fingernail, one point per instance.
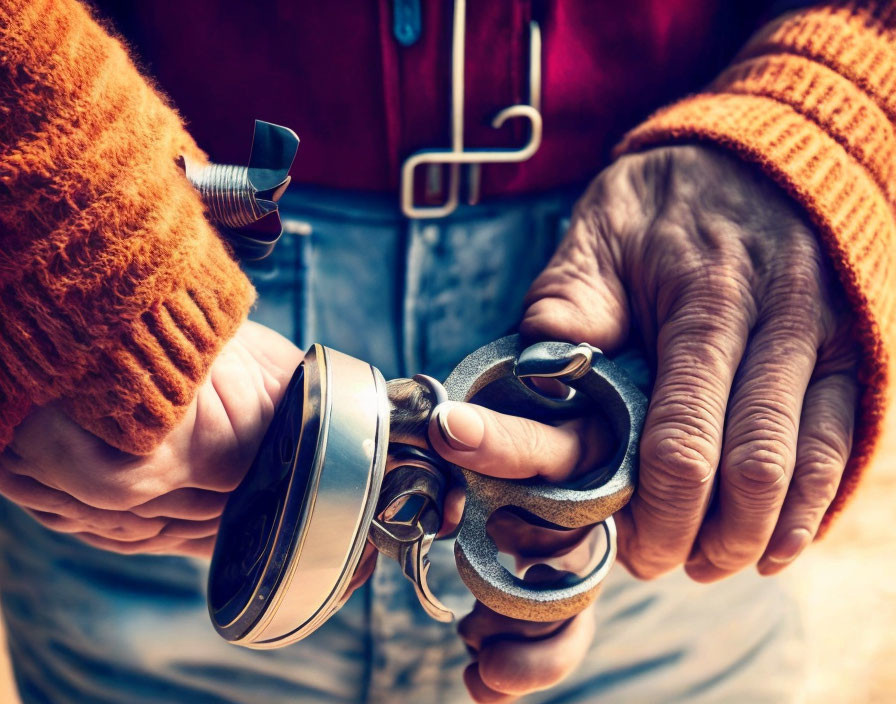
[[461, 427], [787, 547]]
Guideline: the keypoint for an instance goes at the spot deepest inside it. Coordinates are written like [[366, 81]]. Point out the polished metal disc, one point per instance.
[[293, 532]]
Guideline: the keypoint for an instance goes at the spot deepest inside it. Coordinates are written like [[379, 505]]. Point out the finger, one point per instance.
[[160, 543], [240, 384], [201, 548], [699, 347], [27, 492], [578, 296], [121, 528], [482, 624], [514, 666], [277, 356], [823, 448], [181, 528], [236, 405], [759, 447], [65, 513], [48, 440], [226, 457], [59, 454], [191, 504], [452, 510], [510, 447], [479, 691]]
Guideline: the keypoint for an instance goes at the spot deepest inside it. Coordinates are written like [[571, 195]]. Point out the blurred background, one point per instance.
[[847, 585]]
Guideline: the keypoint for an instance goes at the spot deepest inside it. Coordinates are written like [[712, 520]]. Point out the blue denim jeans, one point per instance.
[[88, 626]]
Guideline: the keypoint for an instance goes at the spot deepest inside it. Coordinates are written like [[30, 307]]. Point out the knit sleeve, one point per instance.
[[812, 100], [115, 292]]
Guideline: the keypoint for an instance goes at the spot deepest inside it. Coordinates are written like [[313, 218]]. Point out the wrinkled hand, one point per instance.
[[171, 500], [751, 416]]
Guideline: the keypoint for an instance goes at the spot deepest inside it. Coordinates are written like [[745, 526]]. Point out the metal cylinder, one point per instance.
[[226, 192]]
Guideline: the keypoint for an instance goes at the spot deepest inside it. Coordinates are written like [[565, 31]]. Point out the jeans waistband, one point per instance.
[[383, 208]]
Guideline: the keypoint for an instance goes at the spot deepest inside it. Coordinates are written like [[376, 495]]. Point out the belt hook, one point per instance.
[[456, 155]]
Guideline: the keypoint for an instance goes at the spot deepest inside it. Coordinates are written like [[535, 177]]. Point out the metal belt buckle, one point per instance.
[[457, 156], [294, 531]]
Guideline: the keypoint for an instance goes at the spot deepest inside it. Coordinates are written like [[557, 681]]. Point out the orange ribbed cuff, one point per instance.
[[115, 292], [812, 100]]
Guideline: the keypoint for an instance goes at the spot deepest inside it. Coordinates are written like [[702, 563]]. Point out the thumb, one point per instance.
[[276, 356], [579, 296]]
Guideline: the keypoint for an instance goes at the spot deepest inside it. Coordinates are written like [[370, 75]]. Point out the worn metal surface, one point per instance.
[[293, 532], [492, 376], [408, 517]]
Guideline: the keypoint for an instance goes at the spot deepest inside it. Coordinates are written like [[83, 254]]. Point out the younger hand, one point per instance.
[[171, 500], [513, 657]]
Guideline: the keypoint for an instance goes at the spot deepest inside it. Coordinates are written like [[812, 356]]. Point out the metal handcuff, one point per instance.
[[294, 531]]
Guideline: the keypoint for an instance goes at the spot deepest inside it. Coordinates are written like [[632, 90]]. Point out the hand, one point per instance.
[[513, 657], [171, 500], [751, 417]]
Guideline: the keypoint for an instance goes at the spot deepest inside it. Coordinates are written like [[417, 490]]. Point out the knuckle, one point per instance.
[[717, 279], [492, 456], [799, 280], [692, 393], [818, 482], [784, 337], [54, 521], [519, 674], [826, 445], [534, 444], [131, 531], [761, 466], [227, 481], [113, 498], [147, 510], [727, 286], [676, 462], [59, 502], [526, 445], [758, 463]]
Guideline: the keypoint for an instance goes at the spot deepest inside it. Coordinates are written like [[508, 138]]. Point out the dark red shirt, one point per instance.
[[361, 101]]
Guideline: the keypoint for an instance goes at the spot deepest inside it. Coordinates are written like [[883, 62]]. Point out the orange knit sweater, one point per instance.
[[811, 99], [115, 293]]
